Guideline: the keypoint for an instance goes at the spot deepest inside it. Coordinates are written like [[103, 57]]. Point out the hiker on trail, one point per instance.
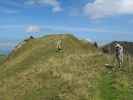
[[31, 37], [95, 44], [119, 53], [59, 45]]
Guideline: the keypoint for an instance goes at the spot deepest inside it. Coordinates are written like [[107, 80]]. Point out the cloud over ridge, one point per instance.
[[105, 8], [33, 28], [55, 4]]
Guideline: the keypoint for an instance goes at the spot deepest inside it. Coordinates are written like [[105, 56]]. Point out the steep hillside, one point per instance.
[[2, 58], [35, 71]]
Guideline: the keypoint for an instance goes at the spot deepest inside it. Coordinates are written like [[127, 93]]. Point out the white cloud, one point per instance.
[[105, 8], [55, 4], [86, 39], [8, 11], [57, 9], [33, 28], [74, 29]]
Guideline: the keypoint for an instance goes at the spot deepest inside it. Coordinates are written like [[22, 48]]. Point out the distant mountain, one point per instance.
[[128, 47]]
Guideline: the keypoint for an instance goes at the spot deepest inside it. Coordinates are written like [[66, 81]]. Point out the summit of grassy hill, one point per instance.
[[36, 71]]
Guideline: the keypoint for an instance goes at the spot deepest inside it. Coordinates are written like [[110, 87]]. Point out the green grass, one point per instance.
[[2, 58], [117, 84], [114, 87], [107, 89], [37, 72]]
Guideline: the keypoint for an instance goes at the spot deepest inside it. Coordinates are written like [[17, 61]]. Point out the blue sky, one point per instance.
[[96, 20]]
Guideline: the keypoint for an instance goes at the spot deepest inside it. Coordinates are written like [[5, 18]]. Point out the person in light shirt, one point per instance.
[[119, 53], [59, 45]]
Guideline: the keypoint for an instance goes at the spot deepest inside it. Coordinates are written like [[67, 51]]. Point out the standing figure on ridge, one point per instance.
[[119, 53], [59, 45]]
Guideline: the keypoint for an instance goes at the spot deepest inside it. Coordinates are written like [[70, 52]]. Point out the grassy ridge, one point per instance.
[[2, 58], [36, 71]]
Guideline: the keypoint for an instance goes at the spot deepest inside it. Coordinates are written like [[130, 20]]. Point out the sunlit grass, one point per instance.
[[37, 72]]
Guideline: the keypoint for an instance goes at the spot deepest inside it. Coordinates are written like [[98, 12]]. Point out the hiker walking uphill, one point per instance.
[[59, 45], [119, 53]]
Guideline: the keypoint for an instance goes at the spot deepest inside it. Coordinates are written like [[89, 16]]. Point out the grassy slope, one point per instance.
[[37, 72], [2, 58]]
